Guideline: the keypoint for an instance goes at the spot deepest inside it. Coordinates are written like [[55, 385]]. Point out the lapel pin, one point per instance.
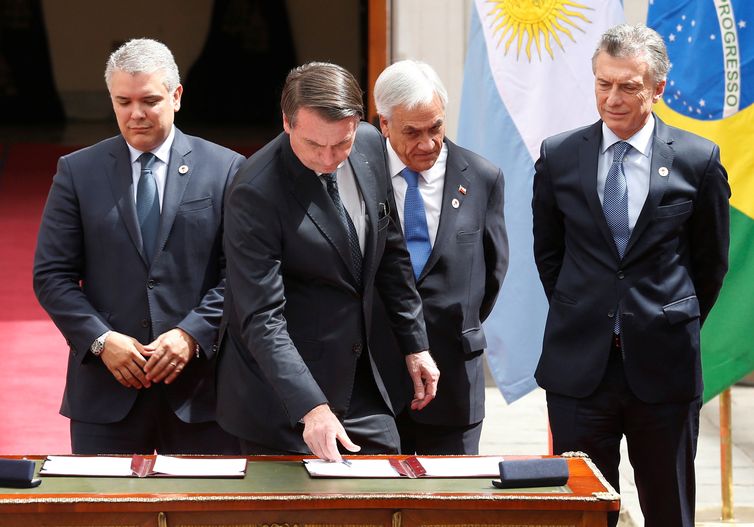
[[183, 169], [462, 189], [663, 171], [455, 203]]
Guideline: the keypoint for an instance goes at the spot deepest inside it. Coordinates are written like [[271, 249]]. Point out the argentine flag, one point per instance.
[[528, 75], [710, 92]]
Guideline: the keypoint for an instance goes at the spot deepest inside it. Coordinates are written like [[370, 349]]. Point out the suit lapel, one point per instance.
[[455, 177], [175, 185], [662, 156], [365, 180], [312, 196], [588, 162], [121, 183]]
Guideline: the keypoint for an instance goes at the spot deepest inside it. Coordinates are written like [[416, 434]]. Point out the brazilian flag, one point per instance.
[[710, 91]]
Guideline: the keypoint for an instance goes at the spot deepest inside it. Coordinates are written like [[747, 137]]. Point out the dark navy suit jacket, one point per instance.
[[90, 273], [664, 286], [458, 286], [296, 321]]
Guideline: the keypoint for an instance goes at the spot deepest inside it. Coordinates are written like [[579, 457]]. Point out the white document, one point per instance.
[[357, 468], [461, 467], [439, 467], [87, 466], [199, 467], [163, 465]]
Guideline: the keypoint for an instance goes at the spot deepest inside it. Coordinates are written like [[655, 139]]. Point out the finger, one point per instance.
[[138, 376], [174, 374], [431, 387], [418, 404], [418, 382], [128, 378], [331, 447], [119, 377], [349, 445]]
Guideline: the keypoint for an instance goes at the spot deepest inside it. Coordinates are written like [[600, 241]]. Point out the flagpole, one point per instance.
[[726, 455]]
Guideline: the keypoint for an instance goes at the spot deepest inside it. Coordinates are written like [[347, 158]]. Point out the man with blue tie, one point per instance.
[[631, 243], [450, 204], [129, 265]]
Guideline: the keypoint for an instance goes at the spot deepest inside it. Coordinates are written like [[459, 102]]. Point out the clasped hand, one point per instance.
[[137, 366]]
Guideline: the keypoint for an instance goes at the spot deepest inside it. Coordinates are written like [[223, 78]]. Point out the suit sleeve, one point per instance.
[[203, 321], [254, 248], [495, 246], [710, 234], [548, 227], [59, 266]]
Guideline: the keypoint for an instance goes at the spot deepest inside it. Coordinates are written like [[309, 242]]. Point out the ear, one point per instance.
[[659, 90], [286, 124], [177, 97], [384, 126]]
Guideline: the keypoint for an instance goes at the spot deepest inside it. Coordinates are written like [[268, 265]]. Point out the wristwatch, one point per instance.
[[99, 344]]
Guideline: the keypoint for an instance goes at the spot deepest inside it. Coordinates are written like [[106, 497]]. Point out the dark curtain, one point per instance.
[[27, 88], [241, 70]]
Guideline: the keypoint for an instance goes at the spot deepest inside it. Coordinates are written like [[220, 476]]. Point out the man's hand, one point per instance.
[[321, 429], [168, 354], [123, 356], [424, 375]]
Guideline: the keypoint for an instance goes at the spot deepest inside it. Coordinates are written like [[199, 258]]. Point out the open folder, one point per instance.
[[411, 467], [144, 466]]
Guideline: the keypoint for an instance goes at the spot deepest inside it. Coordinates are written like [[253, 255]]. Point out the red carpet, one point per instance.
[[33, 367]]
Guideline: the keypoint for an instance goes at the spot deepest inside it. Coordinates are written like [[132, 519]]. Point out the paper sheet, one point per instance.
[[87, 466], [199, 467], [441, 467]]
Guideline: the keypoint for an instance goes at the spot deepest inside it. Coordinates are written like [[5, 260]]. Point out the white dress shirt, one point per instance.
[[159, 168], [636, 165], [351, 199], [431, 185]]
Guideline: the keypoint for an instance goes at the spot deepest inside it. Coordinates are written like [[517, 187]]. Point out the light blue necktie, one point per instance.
[[415, 223], [615, 206], [353, 237], [148, 204]]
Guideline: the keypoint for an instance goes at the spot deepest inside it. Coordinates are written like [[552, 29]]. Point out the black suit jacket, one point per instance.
[[664, 286], [458, 287], [90, 273], [295, 320]]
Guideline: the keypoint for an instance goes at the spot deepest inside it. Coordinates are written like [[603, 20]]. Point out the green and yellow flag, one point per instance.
[[710, 91]]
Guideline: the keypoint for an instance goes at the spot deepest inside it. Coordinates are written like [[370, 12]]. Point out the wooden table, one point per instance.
[[277, 492]]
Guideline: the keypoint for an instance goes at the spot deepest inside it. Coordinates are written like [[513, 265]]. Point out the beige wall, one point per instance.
[[82, 33]]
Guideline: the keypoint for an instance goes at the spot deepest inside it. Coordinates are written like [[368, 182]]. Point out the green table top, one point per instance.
[[270, 477]]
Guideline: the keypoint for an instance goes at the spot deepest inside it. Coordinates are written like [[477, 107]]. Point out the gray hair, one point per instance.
[[407, 83], [144, 55], [627, 41], [328, 89]]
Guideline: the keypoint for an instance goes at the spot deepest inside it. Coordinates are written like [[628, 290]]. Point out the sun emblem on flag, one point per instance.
[[538, 21]]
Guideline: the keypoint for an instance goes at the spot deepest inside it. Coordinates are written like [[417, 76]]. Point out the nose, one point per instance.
[[614, 97], [137, 112], [427, 143]]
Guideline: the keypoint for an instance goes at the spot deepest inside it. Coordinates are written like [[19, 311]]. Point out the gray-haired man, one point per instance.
[[129, 266]]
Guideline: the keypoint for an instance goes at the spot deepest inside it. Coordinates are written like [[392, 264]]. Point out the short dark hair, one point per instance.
[[326, 88]]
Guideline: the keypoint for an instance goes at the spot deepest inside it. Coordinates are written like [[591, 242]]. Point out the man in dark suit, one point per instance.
[[631, 242], [450, 203], [309, 238], [129, 266]]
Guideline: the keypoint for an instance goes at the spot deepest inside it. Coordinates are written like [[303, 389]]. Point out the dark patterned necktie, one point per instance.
[[615, 206], [148, 204], [415, 223], [353, 238]]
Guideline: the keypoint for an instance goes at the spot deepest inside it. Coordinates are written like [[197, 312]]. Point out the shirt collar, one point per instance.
[[162, 152], [640, 141], [435, 172]]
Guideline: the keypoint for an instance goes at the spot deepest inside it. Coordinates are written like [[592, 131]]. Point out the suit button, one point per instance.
[[356, 349], [145, 323], [151, 284], [611, 314], [214, 348], [621, 276]]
